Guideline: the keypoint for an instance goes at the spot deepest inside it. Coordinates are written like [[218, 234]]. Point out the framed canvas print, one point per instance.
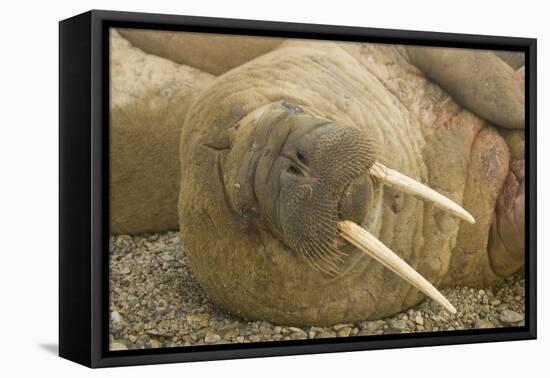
[[234, 188]]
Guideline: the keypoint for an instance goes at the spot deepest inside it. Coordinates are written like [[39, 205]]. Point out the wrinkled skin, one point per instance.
[[276, 151]]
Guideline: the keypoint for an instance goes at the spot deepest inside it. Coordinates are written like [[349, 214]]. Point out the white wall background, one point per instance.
[[29, 186]]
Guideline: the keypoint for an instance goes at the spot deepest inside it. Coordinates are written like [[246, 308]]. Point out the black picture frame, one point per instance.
[[84, 188]]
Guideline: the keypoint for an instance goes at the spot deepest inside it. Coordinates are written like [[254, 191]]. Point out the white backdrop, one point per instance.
[[29, 186]]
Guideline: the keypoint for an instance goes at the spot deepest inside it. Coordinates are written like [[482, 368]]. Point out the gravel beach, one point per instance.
[[155, 302]]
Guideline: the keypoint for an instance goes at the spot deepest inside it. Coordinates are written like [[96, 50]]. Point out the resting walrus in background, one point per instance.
[[320, 182]]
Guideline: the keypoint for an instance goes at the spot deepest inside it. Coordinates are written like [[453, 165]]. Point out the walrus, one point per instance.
[[153, 81], [211, 53], [149, 97], [400, 83], [331, 182]]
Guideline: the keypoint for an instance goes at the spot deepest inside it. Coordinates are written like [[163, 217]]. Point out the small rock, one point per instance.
[[167, 257], [398, 324], [255, 338], [211, 337], [231, 334], [484, 323], [162, 306], [344, 332], [244, 332], [155, 344], [116, 345], [324, 334], [160, 333], [391, 331], [338, 327], [373, 326], [116, 317], [298, 335], [509, 316], [419, 320], [296, 329]]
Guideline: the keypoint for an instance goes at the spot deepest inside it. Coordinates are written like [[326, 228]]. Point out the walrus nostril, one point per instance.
[[354, 202], [294, 170], [301, 157]]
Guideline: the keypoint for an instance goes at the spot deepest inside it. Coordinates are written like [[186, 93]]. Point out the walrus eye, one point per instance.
[[291, 107]]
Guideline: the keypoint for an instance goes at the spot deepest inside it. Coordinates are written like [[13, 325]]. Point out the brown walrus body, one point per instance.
[[242, 140], [149, 99], [212, 53]]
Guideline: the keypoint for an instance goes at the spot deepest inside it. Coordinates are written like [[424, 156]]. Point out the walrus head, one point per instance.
[[309, 181]]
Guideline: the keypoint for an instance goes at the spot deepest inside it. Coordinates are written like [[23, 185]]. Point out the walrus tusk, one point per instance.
[[373, 247], [399, 181]]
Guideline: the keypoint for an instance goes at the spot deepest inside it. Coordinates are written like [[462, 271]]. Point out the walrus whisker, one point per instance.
[[401, 182], [320, 255], [324, 256], [373, 247], [316, 258], [312, 261]]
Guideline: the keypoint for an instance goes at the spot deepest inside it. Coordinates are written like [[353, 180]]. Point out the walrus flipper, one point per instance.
[[478, 80], [149, 98], [212, 53]]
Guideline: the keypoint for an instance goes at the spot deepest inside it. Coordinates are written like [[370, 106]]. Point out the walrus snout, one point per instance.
[[335, 159], [310, 172], [297, 175]]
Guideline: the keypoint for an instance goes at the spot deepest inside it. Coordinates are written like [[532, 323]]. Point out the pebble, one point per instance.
[[117, 346], [301, 334], [338, 327], [344, 332], [155, 302], [116, 317], [509, 316], [255, 338], [398, 324], [211, 337], [375, 325], [154, 344], [324, 334], [484, 323]]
